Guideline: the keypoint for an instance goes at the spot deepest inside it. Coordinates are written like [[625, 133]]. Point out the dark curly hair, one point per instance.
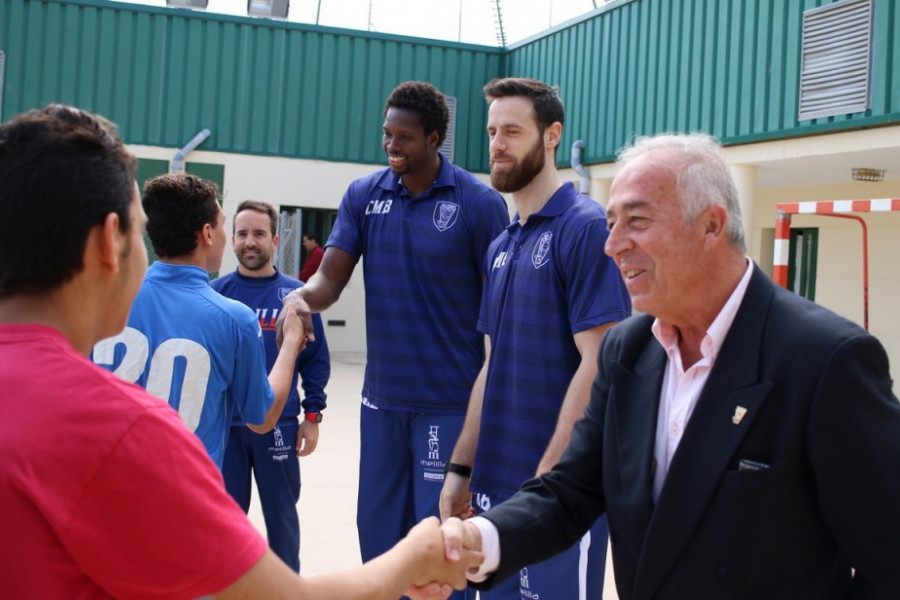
[[178, 205], [62, 171], [426, 101]]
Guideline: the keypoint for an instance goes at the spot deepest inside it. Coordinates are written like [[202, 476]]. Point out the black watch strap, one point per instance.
[[462, 470]]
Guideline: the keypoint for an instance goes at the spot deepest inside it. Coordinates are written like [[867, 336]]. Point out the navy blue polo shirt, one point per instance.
[[546, 281], [422, 271], [264, 296]]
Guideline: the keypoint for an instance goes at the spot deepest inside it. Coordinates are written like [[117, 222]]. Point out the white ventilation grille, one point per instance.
[[450, 140], [834, 72]]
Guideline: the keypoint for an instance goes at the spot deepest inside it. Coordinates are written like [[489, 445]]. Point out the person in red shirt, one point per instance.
[[314, 255], [105, 492]]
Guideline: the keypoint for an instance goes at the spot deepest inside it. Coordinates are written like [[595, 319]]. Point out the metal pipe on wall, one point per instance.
[[577, 147], [177, 165]]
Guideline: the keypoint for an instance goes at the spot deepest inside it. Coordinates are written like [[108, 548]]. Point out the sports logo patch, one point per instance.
[[540, 256], [283, 293], [445, 214], [434, 447]]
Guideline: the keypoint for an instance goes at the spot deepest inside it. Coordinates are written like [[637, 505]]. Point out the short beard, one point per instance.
[[519, 176], [256, 265]]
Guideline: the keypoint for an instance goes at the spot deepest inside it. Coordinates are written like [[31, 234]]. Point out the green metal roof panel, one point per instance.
[[261, 86], [886, 57], [727, 67], [632, 67]]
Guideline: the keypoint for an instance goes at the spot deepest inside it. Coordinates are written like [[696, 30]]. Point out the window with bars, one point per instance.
[[804, 248], [293, 223]]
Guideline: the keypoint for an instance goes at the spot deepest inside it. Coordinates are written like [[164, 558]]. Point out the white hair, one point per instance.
[[702, 177]]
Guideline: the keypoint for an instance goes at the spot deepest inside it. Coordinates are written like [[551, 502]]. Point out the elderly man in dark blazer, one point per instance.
[[744, 442]]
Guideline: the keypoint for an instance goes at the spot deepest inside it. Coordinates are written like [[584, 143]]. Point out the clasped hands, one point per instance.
[[295, 317], [445, 554]]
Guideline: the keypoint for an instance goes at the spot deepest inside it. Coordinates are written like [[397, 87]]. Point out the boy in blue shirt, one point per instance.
[[185, 342]]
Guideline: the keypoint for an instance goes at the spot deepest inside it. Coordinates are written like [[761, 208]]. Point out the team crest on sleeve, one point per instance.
[[445, 214], [283, 292], [540, 256]]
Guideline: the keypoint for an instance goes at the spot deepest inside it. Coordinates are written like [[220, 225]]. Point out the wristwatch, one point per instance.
[[462, 470], [315, 417]]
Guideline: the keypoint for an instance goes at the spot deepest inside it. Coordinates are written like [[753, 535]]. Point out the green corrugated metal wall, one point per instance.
[[261, 86], [727, 67]]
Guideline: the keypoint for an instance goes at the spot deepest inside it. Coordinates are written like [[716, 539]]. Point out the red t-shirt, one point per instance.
[[311, 264], [104, 491]]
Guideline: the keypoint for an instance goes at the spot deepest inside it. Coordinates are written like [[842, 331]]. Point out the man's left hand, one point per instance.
[[307, 438]]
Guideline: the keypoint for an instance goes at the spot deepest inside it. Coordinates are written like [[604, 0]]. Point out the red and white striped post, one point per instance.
[[826, 208], [782, 247]]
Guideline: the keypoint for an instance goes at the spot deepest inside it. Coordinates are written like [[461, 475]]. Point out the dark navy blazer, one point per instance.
[[822, 422]]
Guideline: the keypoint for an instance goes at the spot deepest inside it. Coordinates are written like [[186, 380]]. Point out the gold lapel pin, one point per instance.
[[739, 412]]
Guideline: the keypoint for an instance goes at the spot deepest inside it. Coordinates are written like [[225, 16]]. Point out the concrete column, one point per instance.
[[745, 179], [600, 189]]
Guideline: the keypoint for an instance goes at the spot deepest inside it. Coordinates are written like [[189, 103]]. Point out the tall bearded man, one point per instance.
[[549, 296]]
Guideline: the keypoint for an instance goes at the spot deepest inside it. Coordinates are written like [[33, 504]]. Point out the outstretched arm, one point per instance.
[[282, 373], [321, 291], [418, 560]]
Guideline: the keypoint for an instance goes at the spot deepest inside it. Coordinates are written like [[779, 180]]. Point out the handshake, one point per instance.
[[435, 557]]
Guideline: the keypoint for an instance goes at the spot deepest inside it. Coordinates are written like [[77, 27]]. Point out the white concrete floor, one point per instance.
[[327, 506]]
